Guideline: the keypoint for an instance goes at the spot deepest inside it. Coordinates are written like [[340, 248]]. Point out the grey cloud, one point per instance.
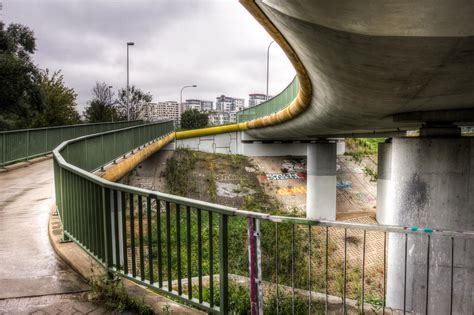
[[214, 44]]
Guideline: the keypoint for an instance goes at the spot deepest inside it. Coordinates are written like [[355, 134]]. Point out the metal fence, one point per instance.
[[271, 106], [220, 259], [25, 144]]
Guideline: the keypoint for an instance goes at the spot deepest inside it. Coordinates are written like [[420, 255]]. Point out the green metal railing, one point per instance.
[[25, 144], [271, 106], [196, 251]]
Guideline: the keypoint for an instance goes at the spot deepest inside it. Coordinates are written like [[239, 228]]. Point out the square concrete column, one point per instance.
[[321, 181], [384, 182]]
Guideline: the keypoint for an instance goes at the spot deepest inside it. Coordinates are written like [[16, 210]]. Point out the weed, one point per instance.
[[114, 297], [371, 173], [166, 308]]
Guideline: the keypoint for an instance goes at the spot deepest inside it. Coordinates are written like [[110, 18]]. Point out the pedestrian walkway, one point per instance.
[[31, 275]]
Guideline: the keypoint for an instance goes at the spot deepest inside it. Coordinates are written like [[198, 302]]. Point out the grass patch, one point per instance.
[[189, 169], [358, 147], [115, 298]]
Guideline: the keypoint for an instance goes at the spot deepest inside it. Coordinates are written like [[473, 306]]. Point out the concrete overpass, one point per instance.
[[363, 68], [378, 68], [370, 63]]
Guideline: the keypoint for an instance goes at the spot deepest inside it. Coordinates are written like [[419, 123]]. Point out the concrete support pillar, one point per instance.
[[321, 181], [384, 183], [431, 184], [341, 146]]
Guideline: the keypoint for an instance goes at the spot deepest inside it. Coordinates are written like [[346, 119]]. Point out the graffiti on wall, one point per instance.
[[293, 166], [344, 184], [285, 176], [285, 191]]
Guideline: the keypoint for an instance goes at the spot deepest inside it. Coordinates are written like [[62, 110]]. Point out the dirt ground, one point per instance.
[[285, 179], [283, 185]]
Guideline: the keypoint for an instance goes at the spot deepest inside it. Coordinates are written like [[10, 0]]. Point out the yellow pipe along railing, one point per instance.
[[295, 108]]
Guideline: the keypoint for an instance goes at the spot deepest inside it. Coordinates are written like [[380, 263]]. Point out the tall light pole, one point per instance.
[[181, 98], [268, 65], [110, 99], [128, 88]]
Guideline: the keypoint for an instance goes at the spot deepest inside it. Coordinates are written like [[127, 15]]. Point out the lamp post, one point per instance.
[[128, 88], [110, 100], [181, 99], [268, 65]]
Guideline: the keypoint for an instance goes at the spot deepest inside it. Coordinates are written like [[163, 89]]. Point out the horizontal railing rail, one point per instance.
[[25, 144], [207, 255], [273, 105]]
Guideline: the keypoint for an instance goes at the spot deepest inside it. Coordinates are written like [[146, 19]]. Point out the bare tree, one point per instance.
[[102, 106], [103, 93], [137, 99]]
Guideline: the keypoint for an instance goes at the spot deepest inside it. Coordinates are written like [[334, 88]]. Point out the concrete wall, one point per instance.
[[431, 184], [231, 143]]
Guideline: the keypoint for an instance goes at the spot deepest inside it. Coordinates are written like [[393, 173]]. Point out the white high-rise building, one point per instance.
[[199, 105], [229, 104], [219, 118], [160, 111], [257, 98]]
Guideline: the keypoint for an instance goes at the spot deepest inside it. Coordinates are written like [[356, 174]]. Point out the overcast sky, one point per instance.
[[215, 44]]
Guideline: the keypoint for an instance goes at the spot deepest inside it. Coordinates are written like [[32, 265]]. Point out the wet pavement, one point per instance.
[[29, 265]]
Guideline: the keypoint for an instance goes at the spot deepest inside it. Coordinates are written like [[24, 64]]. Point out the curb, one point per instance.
[[23, 164], [88, 268]]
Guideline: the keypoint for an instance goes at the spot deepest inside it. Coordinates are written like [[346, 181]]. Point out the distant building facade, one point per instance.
[[229, 104], [219, 118], [168, 110], [200, 105], [257, 98]]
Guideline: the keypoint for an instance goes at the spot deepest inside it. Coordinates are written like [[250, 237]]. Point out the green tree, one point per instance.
[[59, 101], [137, 99], [102, 107], [20, 95], [193, 119]]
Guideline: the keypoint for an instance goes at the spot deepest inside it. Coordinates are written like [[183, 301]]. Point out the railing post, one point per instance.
[[3, 150], [27, 144], [224, 265], [107, 230], [65, 180], [255, 270]]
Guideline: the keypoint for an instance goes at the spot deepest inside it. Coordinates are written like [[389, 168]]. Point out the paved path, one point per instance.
[[29, 265]]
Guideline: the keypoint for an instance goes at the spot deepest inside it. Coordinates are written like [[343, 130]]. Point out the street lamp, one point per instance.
[[181, 97], [110, 100], [268, 68], [128, 88]]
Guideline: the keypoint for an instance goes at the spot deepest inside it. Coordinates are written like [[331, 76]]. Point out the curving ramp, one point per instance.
[[373, 66]]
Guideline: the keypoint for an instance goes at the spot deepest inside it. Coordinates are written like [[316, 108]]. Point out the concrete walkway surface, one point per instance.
[[31, 275]]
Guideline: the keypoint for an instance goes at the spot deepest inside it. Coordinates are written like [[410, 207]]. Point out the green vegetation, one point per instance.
[[358, 147], [136, 99], [194, 119], [189, 169], [114, 297], [177, 170], [103, 107], [371, 173], [29, 96]]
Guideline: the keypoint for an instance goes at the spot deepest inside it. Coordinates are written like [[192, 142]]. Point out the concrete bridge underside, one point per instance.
[[370, 60], [385, 66]]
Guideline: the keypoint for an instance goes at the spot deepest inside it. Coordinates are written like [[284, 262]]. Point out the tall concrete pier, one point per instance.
[[428, 182], [321, 181]]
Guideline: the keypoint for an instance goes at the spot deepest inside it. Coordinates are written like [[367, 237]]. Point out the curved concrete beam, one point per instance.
[[362, 74]]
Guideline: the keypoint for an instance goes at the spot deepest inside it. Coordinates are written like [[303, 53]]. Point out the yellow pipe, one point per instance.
[[211, 131], [118, 170], [303, 99], [296, 107]]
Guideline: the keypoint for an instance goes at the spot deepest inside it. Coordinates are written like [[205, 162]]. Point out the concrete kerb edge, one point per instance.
[[26, 163], [87, 267]]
